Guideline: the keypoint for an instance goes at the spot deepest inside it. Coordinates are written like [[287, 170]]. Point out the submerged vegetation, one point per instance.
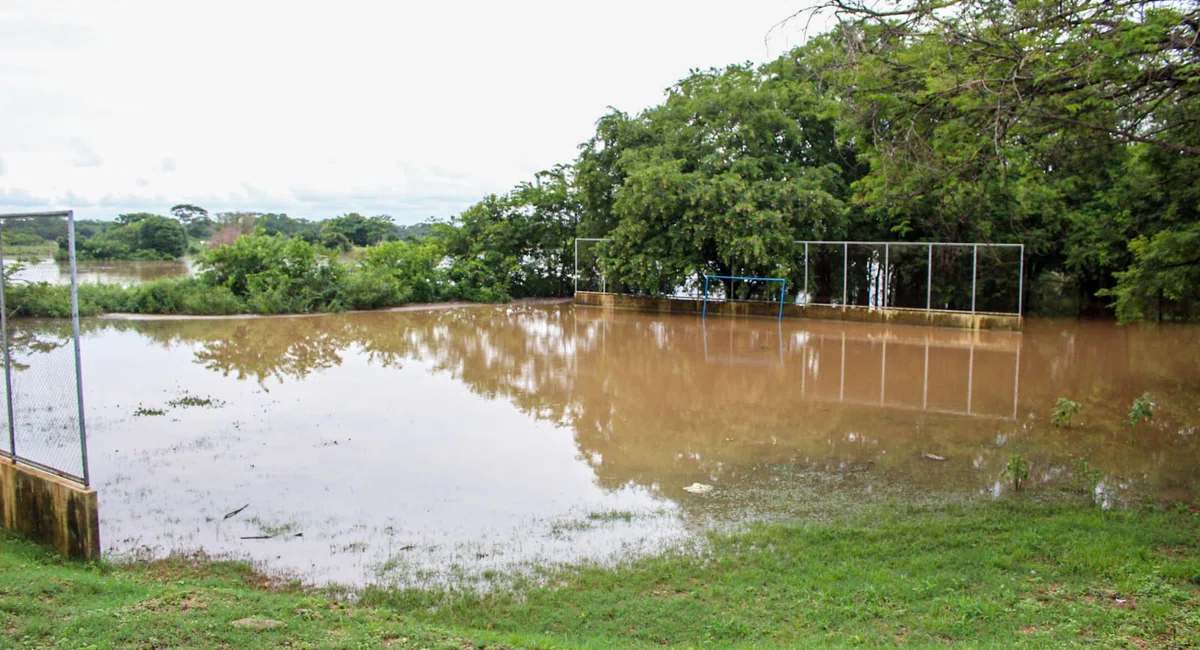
[[1141, 410], [1064, 410]]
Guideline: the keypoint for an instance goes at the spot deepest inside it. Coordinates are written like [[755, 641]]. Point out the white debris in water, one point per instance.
[[698, 488]]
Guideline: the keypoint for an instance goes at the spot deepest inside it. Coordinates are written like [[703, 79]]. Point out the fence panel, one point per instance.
[[907, 275], [998, 281], [826, 274], [43, 399], [952, 278]]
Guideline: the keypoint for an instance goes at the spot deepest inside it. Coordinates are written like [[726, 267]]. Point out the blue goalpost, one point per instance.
[[782, 289]]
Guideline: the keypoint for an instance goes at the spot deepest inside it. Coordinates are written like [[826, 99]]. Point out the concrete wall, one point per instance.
[[50, 509], [964, 320]]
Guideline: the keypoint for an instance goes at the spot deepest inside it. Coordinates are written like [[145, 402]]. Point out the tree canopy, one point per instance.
[[1069, 127]]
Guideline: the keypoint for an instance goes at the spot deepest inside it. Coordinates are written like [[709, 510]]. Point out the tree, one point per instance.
[[360, 230], [187, 213], [519, 244], [243, 222], [281, 224], [722, 178], [1164, 280], [194, 218], [1058, 125], [162, 235], [133, 217]]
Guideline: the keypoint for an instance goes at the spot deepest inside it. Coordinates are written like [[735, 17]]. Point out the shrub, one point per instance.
[[184, 296], [1142, 409], [276, 275], [1017, 471], [416, 267], [368, 288], [1063, 411], [1087, 479]]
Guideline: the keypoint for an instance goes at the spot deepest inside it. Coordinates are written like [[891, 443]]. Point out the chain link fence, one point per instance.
[[42, 411], [929, 276]]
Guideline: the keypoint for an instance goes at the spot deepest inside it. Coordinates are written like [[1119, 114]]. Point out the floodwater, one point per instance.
[[418, 446], [123, 272]]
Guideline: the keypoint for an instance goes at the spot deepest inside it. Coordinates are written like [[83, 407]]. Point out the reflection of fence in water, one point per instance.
[[883, 370], [948, 375]]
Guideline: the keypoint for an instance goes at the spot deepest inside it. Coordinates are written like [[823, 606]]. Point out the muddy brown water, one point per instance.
[[429, 445], [123, 272]]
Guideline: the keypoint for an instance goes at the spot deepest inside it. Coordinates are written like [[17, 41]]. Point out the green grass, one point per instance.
[[1008, 574]]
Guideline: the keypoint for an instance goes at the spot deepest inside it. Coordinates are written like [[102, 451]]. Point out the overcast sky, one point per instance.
[[413, 109]]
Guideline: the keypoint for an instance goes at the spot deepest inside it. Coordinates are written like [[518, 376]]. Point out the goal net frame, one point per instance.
[[782, 289]]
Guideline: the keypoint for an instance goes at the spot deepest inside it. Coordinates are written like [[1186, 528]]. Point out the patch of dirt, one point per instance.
[[1177, 551], [192, 602], [1123, 603], [257, 623], [1029, 629]]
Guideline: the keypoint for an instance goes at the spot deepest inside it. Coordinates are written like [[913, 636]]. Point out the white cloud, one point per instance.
[[413, 109], [83, 155]]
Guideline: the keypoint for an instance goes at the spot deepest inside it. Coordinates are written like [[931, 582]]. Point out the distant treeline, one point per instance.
[[148, 236]]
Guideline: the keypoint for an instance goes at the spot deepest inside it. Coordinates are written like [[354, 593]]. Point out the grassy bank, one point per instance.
[[1002, 575]]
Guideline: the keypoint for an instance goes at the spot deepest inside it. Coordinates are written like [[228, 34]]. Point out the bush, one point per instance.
[[186, 296], [372, 289], [22, 239], [276, 275], [414, 266]]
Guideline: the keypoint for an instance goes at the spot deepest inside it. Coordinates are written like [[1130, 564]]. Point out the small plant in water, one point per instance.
[[1017, 471], [1063, 411], [1142, 409], [192, 400], [1087, 479]]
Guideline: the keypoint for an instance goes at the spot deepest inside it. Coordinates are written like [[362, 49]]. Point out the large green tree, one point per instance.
[[1060, 125], [721, 178]]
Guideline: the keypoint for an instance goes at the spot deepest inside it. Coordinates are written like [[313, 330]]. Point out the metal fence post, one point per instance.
[[782, 296], [886, 260], [974, 274], [806, 298], [577, 265], [845, 274], [929, 281], [12, 429], [75, 330], [1021, 284]]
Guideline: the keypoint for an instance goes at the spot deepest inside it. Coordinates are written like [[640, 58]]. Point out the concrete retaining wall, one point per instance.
[[963, 320], [50, 509]]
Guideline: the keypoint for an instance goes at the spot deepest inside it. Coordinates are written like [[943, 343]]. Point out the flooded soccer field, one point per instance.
[[425, 445]]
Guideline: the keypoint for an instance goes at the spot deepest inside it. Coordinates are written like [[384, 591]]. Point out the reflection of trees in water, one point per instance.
[[648, 405], [29, 338]]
